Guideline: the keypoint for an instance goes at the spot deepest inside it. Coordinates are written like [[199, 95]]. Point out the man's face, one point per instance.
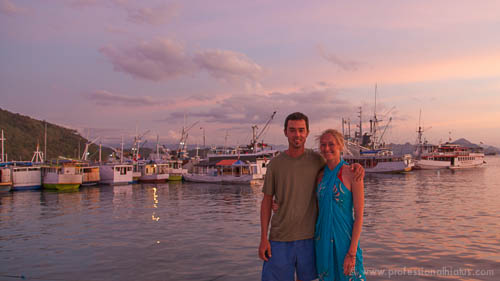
[[296, 132]]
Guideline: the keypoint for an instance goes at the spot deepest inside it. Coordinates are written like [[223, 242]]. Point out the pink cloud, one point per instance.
[[161, 59], [344, 64], [8, 8], [228, 65], [153, 16], [106, 98]]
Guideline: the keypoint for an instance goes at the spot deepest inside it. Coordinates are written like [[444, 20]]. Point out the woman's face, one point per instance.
[[329, 147]]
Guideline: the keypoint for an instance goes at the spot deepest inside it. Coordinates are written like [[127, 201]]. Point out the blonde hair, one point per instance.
[[335, 134]]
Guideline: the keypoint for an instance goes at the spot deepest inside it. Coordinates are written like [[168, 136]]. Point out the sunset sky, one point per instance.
[[113, 65]]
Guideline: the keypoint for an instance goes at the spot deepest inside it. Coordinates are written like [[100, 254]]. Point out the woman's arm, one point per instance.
[[358, 197]]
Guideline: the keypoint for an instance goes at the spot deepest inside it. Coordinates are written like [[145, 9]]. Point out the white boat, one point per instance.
[[115, 173], [226, 171], [175, 170], [26, 176], [451, 156], [154, 172], [64, 176], [5, 179], [369, 150], [381, 161]]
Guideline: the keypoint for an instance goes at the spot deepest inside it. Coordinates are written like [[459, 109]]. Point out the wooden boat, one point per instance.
[[63, 176], [5, 179], [116, 173], [154, 172], [91, 175], [175, 170], [26, 176], [226, 171]]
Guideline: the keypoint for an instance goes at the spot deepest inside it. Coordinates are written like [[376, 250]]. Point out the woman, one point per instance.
[[338, 255]]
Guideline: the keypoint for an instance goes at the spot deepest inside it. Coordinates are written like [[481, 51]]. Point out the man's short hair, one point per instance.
[[297, 116]]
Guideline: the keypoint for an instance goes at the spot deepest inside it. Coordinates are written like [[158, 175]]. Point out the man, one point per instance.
[[291, 179]]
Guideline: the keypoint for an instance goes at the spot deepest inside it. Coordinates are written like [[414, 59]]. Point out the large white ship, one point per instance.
[[451, 156]]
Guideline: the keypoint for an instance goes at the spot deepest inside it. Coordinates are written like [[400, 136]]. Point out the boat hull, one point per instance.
[[116, 174], [26, 178], [26, 187], [385, 167], [5, 186], [158, 178], [90, 183], [61, 186], [245, 179], [174, 177], [62, 182], [431, 164]]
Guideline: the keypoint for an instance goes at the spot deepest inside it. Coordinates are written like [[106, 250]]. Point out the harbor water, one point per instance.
[[422, 225]]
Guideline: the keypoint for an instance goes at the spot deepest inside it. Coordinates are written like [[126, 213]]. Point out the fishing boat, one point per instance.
[[5, 179], [116, 173], [227, 171], [381, 160], [26, 176], [62, 176], [90, 175], [175, 170], [369, 149], [154, 172]]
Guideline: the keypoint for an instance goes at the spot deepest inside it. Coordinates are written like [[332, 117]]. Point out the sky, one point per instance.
[[112, 68]]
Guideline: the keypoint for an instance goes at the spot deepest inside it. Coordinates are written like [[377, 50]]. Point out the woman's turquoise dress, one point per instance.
[[334, 228]]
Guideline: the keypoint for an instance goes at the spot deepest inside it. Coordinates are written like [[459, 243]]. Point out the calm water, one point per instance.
[[432, 225]]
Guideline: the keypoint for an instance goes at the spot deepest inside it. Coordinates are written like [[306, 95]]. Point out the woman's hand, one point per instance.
[[349, 264], [275, 206]]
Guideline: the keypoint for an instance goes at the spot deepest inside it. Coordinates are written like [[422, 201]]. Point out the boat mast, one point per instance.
[[360, 126], [3, 139], [121, 153], [157, 147], [375, 121], [45, 142]]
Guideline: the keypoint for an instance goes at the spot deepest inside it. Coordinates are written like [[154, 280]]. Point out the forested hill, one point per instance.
[[22, 133]]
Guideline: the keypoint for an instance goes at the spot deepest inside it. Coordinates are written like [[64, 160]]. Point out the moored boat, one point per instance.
[[5, 179], [154, 172], [26, 176], [62, 176], [381, 161], [449, 156], [369, 150], [224, 171], [114, 174], [175, 170], [90, 175]]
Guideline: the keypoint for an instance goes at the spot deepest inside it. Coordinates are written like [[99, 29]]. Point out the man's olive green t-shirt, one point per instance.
[[292, 182]]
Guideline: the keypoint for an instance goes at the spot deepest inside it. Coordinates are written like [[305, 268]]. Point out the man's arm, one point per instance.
[[265, 217]]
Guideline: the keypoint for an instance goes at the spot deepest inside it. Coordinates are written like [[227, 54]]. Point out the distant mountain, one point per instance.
[[23, 133], [466, 143], [407, 148]]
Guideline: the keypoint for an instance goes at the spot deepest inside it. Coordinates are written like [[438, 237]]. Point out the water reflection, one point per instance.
[[190, 231]]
